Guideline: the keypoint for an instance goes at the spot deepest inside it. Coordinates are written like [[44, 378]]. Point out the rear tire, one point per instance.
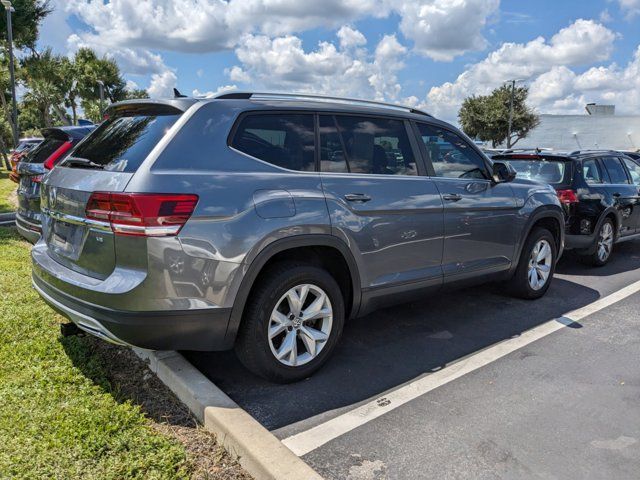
[[604, 246], [537, 265], [275, 325]]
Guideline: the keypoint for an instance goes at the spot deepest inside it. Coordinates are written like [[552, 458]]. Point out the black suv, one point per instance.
[[599, 190]]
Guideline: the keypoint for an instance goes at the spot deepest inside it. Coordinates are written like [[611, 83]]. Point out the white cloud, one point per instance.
[[282, 64], [162, 84], [434, 26], [581, 43], [631, 8], [218, 91], [444, 29]]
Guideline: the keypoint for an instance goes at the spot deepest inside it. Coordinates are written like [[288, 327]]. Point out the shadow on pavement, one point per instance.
[[392, 346], [625, 257]]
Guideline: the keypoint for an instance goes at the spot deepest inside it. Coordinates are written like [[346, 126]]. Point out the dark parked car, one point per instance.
[[265, 221], [24, 146], [58, 142], [599, 191]]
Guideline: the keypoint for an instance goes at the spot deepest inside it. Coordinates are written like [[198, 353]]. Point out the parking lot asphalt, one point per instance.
[[564, 406]]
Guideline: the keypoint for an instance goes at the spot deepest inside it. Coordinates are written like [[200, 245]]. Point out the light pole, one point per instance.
[[513, 91], [101, 89], [14, 108]]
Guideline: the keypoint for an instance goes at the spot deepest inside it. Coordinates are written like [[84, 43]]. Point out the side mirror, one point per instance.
[[503, 172]]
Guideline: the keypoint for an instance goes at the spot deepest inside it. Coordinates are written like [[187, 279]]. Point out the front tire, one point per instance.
[[536, 266], [604, 246], [292, 323]]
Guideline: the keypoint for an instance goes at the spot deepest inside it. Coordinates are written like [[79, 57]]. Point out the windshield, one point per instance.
[[546, 171], [121, 143]]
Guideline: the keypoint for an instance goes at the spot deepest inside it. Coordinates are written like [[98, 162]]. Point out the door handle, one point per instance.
[[452, 197], [357, 197]]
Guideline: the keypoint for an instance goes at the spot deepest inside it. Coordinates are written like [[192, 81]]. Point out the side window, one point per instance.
[[284, 140], [376, 145], [450, 155], [634, 170], [591, 171], [615, 169], [332, 158]]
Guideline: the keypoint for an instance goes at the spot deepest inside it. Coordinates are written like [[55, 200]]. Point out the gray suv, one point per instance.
[[263, 222]]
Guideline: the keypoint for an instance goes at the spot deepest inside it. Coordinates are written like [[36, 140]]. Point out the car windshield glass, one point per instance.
[[122, 143], [547, 171]]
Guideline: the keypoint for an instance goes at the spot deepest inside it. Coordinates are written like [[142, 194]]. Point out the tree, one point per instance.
[[486, 117], [25, 22]]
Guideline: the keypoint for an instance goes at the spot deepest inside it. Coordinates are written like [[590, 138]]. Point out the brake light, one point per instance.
[[37, 178], [57, 155], [567, 196], [142, 214]]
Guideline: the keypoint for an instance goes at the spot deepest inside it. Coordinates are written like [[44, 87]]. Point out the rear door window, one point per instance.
[[284, 140], [123, 142], [616, 171], [591, 171], [376, 145]]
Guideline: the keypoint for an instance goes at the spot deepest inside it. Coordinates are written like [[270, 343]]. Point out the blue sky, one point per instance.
[[430, 53]]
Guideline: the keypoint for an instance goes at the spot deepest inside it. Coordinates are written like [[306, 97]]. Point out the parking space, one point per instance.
[[566, 405]]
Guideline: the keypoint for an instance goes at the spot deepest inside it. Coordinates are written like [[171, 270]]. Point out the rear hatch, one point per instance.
[[31, 168], [103, 162]]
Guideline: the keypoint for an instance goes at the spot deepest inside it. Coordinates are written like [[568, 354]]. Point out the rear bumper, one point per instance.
[[202, 329], [28, 228]]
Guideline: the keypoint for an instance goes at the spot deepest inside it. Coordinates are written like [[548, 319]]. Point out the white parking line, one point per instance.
[[307, 441]]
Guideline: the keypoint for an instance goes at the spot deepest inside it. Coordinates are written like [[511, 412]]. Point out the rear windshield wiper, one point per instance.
[[82, 162]]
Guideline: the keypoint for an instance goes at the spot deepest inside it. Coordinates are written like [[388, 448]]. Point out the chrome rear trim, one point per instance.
[[75, 220]]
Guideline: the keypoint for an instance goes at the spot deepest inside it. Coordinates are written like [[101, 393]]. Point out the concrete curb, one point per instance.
[[257, 450]]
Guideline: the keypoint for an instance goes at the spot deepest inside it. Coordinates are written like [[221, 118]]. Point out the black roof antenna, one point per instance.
[[177, 94]]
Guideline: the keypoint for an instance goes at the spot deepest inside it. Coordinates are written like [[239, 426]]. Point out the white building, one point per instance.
[[600, 129]]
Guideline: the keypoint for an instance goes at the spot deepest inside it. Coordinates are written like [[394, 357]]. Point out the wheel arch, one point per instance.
[[547, 216], [295, 246]]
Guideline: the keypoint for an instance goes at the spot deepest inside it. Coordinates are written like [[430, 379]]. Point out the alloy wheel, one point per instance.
[[540, 264], [605, 241], [300, 325]]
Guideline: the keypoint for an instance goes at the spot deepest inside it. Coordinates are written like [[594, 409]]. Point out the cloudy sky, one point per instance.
[[430, 53]]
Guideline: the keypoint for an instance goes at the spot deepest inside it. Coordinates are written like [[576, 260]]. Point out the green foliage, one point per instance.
[[59, 415], [25, 21], [136, 93], [486, 117]]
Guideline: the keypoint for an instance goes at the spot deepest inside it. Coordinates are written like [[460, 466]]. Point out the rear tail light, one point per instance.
[[57, 155], [567, 196], [142, 214], [37, 178]]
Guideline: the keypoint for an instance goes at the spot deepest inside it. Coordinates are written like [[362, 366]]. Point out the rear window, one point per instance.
[[44, 150], [123, 142], [546, 171], [286, 141]]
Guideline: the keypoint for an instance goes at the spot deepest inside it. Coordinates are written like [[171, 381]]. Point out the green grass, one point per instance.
[[59, 415], [7, 187]]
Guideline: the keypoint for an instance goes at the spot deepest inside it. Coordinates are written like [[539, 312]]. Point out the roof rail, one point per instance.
[[601, 150], [320, 98]]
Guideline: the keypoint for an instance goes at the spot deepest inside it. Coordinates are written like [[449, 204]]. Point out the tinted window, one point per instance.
[[634, 170], [376, 145], [332, 158], [615, 170], [591, 171], [122, 143], [286, 141], [450, 155], [44, 150], [547, 171]]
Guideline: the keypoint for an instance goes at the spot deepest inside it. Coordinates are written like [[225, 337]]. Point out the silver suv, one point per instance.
[[264, 222]]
